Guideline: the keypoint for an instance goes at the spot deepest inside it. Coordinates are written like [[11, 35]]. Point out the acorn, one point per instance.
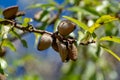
[[63, 51], [73, 53], [45, 42], [10, 12], [66, 27]]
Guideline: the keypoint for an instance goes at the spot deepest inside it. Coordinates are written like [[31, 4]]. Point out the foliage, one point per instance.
[[97, 30]]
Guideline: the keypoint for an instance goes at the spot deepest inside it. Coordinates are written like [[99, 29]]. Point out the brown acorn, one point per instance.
[[73, 53], [10, 12], [66, 27], [45, 42], [63, 50]]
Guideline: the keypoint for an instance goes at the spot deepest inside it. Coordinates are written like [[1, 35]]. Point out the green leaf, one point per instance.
[[1, 19], [41, 5], [106, 19], [94, 27], [24, 43], [80, 24], [8, 44], [100, 21], [26, 21], [111, 52], [111, 38]]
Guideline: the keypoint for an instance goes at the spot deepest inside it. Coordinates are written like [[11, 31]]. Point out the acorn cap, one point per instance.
[[10, 12]]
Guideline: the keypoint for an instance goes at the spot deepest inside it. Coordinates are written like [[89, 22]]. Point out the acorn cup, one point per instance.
[[73, 53], [63, 51], [45, 42], [66, 27]]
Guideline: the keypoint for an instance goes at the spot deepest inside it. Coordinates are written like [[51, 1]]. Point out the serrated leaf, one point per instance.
[[24, 43], [8, 44], [100, 21], [111, 52], [111, 38], [80, 24]]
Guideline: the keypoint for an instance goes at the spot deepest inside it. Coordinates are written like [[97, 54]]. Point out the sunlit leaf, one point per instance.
[[93, 27], [111, 38], [3, 63], [111, 52], [100, 21], [106, 19], [80, 24], [26, 21], [8, 44], [41, 5]]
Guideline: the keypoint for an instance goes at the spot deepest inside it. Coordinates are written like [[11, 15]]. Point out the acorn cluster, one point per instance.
[[60, 41]]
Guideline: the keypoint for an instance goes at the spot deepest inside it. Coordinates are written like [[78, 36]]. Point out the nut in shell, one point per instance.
[[73, 53], [45, 42], [63, 50], [10, 12], [54, 45], [66, 27]]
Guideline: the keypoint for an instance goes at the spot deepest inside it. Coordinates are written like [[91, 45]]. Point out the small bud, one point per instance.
[[45, 42], [10, 12], [66, 27]]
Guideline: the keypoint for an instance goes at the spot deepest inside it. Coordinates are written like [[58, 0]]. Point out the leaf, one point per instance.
[[111, 52], [93, 27], [111, 38], [26, 21], [100, 21], [41, 5], [1, 19], [24, 43], [106, 19], [8, 44], [80, 24]]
